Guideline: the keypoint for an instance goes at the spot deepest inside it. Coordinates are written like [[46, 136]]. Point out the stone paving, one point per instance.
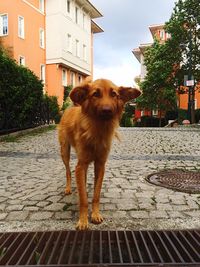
[[32, 182]]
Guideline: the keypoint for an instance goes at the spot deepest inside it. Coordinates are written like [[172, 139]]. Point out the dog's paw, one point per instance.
[[82, 225], [96, 218], [68, 191]]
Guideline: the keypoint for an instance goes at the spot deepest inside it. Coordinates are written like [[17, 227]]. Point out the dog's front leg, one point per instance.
[[99, 174], [81, 172]]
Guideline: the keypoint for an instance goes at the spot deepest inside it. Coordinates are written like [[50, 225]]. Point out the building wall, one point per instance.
[[28, 47], [59, 20], [55, 56]]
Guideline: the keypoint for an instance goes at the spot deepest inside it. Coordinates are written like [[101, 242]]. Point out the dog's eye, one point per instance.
[[113, 93], [96, 94]]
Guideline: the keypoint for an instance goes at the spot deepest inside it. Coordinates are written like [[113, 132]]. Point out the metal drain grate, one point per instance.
[[101, 248], [180, 180]]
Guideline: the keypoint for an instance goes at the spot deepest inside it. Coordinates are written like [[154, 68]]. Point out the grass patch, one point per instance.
[[9, 138], [30, 132], [41, 130]]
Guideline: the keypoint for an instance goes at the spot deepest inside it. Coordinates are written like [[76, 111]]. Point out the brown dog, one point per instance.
[[89, 128]]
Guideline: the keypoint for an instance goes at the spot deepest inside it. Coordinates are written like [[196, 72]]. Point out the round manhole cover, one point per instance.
[[180, 180]]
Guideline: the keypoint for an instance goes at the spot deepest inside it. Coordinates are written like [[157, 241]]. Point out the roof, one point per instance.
[[90, 8], [137, 52], [155, 27], [96, 28]]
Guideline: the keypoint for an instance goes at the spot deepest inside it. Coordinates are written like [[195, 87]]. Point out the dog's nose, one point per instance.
[[106, 110]]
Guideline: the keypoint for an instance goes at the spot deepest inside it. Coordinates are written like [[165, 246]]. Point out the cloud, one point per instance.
[[125, 24], [121, 74]]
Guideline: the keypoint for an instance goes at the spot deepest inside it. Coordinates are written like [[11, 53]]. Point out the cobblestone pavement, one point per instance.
[[32, 182]]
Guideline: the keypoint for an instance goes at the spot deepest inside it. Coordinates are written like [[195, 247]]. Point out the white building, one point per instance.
[[69, 41]]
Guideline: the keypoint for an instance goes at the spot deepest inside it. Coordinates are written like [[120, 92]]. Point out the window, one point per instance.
[[77, 48], [85, 52], [168, 36], [41, 5], [21, 27], [195, 104], [41, 38], [22, 60], [69, 43], [76, 15], [72, 78], [64, 77], [155, 112], [42, 73], [162, 35], [68, 6], [84, 20], [3, 24], [80, 79]]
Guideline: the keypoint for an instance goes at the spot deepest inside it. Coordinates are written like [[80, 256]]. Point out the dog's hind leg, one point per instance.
[[65, 153]]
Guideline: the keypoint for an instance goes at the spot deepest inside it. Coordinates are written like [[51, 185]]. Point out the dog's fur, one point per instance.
[[89, 127]]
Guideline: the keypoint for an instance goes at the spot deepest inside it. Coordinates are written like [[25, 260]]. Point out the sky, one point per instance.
[[125, 24]]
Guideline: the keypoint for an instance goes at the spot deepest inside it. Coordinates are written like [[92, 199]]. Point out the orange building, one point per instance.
[[22, 30], [52, 38], [158, 32]]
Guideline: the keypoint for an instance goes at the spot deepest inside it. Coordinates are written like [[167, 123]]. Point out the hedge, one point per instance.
[[22, 102]]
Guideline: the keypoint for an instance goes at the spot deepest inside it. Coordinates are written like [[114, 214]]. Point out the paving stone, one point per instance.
[[33, 179], [2, 207], [158, 214], [54, 207], [14, 207], [43, 204], [31, 208], [2, 199], [3, 216], [194, 214], [175, 214], [41, 215], [54, 198], [139, 214], [63, 215], [17, 216]]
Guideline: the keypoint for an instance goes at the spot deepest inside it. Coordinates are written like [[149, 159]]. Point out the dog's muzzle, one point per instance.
[[106, 113]]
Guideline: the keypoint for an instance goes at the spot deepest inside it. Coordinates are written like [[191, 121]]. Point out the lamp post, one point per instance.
[[190, 82]]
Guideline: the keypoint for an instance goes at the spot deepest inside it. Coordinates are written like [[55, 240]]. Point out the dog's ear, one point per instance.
[[79, 94], [128, 93]]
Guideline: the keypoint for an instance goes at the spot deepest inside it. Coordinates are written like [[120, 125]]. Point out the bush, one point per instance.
[[182, 115], [51, 108], [197, 115], [171, 115], [149, 121], [21, 95]]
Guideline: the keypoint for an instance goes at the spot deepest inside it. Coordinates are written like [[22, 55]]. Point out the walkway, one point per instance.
[[32, 181]]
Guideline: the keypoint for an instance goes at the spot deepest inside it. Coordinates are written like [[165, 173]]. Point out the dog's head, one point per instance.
[[102, 99]]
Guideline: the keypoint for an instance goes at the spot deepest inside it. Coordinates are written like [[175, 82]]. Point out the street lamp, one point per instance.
[[189, 82]]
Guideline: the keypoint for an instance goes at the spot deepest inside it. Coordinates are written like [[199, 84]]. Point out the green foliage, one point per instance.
[[184, 27], [127, 116], [197, 115], [149, 121], [20, 94], [168, 62], [158, 87], [171, 115], [67, 90], [66, 100], [52, 108], [182, 115]]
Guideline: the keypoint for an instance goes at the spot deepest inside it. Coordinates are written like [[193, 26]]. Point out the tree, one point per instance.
[[168, 62], [159, 84], [184, 27]]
